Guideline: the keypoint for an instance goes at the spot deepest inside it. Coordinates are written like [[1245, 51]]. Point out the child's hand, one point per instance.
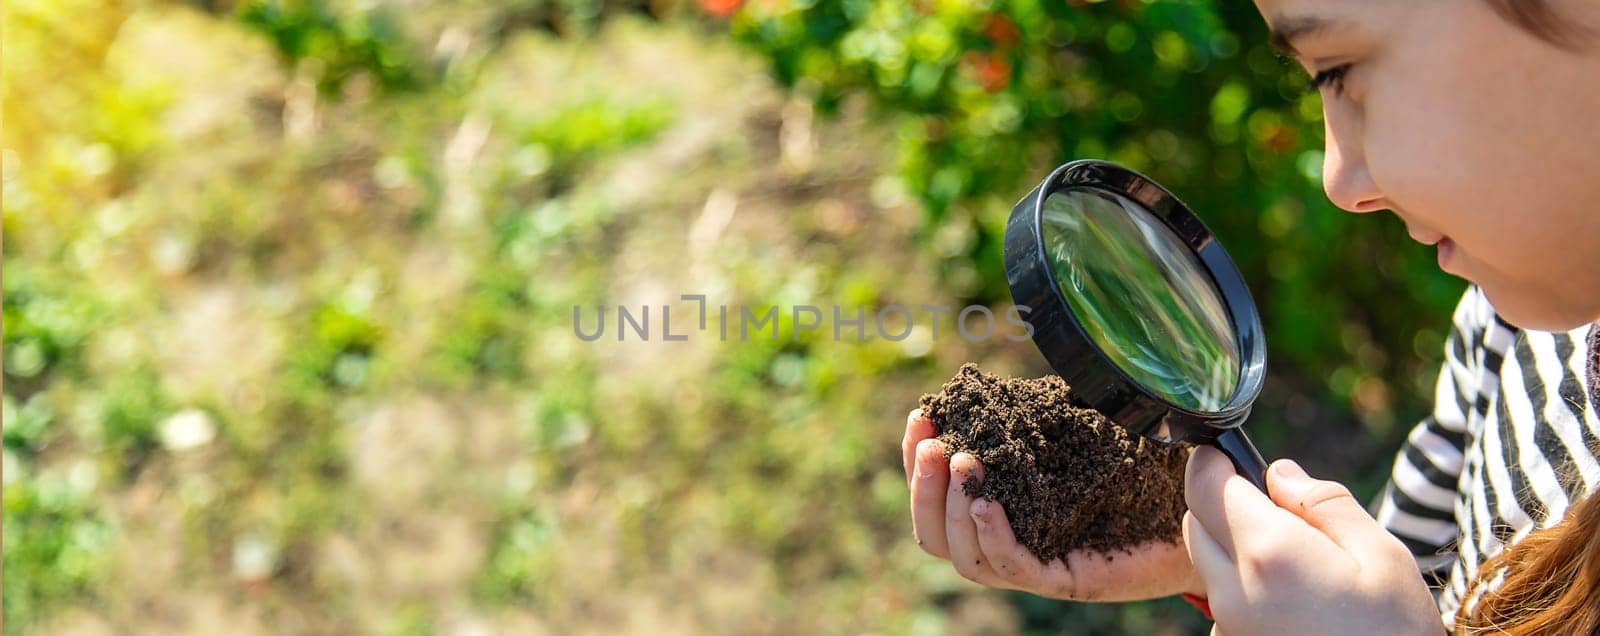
[[976, 537], [1309, 560]]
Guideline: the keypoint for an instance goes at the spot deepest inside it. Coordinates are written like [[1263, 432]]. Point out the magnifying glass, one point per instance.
[[1137, 307]]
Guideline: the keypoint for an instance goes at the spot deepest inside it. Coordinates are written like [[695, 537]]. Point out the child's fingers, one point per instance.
[[930, 475], [1213, 563], [918, 428], [1228, 506], [999, 544], [1328, 506], [959, 529]]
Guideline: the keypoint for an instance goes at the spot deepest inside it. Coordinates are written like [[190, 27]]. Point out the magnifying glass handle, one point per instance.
[[1246, 459]]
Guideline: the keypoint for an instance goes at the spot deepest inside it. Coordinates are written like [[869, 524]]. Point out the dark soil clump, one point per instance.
[[1068, 478]]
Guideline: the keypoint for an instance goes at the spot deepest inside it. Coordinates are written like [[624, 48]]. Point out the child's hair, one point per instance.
[[1551, 579], [1541, 19]]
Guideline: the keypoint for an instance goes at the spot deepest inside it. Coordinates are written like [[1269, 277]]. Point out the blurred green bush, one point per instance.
[[339, 44]]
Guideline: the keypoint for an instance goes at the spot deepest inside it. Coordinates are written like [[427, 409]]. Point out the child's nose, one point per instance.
[[1348, 181], [1345, 176]]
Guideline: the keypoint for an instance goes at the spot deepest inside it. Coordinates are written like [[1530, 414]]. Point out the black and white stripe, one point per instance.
[[1510, 444]]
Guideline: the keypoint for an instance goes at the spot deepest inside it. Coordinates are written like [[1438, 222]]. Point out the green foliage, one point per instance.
[[338, 353], [562, 141], [131, 408], [340, 44], [47, 325], [521, 558], [597, 124], [27, 428], [1043, 617], [488, 337], [55, 542]]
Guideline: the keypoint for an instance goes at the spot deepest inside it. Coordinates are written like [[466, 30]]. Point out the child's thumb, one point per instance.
[[1326, 505]]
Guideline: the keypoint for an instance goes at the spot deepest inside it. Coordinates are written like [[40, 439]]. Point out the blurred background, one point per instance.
[[289, 285]]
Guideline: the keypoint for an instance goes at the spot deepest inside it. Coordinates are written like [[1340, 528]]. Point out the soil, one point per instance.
[[1068, 478]]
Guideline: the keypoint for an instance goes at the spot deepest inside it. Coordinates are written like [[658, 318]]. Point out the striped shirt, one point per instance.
[[1511, 442]]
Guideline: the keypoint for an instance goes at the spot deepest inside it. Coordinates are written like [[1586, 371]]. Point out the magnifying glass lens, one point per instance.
[[1143, 296]]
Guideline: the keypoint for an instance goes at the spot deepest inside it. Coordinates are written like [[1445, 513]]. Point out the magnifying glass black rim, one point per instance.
[[1072, 352]]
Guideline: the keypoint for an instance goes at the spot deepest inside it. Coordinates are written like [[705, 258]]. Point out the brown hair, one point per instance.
[[1552, 577], [1541, 19], [1552, 581]]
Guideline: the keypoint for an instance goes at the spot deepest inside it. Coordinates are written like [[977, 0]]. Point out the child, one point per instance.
[[1474, 122]]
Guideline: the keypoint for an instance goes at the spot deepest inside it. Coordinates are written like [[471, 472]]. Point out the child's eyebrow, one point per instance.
[[1286, 30]]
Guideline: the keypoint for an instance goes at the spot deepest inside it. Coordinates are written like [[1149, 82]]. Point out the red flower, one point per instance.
[[721, 8], [993, 69], [1001, 30]]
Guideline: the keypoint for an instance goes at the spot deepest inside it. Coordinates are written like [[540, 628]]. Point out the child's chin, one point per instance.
[[1529, 307]]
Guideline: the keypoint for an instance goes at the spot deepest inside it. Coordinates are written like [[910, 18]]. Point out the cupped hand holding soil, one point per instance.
[[1022, 489]]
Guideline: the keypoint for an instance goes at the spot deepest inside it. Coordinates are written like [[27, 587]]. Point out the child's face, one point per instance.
[[1476, 133]]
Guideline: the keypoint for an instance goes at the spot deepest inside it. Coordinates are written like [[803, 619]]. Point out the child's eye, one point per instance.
[[1331, 77]]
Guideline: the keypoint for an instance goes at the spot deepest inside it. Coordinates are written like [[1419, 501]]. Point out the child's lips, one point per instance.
[[1426, 238], [1446, 247]]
